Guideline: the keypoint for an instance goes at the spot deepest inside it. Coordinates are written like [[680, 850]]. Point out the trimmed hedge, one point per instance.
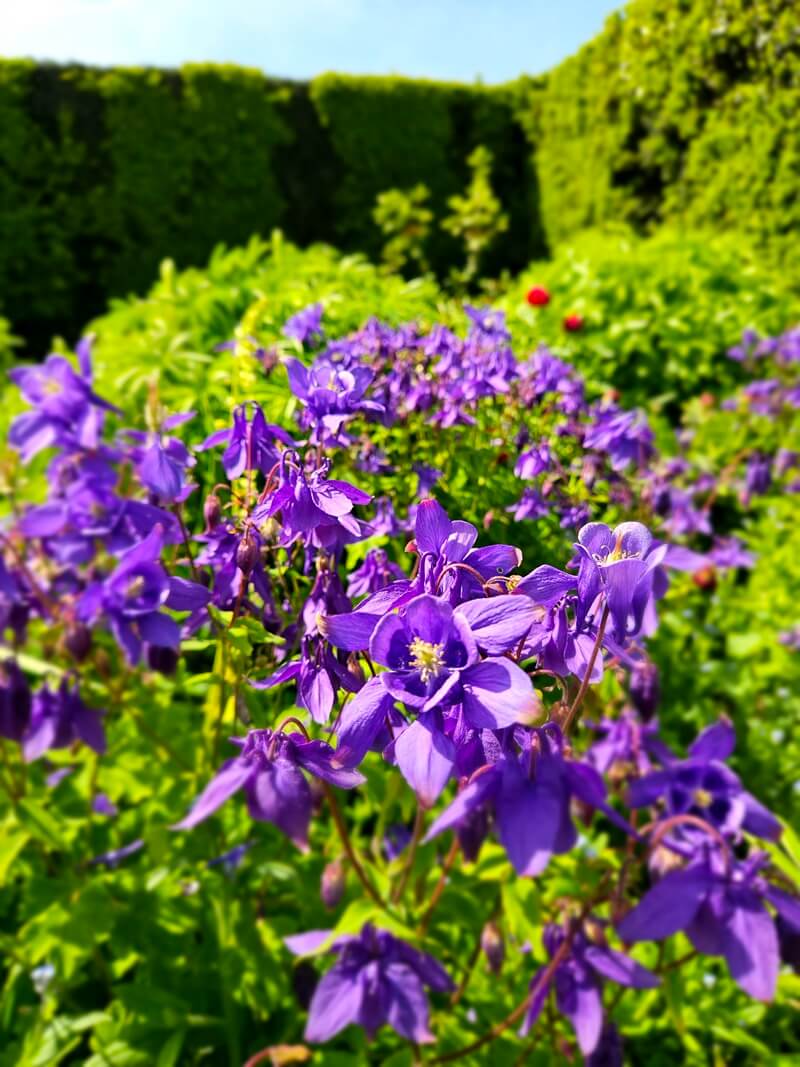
[[107, 172], [682, 110]]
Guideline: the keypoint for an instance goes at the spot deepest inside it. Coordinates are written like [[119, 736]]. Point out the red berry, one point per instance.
[[537, 296], [573, 323]]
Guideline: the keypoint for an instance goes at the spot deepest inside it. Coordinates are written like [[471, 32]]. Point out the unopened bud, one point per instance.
[[212, 511], [246, 555], [332, 884], [644, 689], [493, 946], [706, 579], [78, 641]]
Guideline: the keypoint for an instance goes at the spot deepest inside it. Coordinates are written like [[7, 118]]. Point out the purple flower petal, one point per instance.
[[425, 757], [669, 906], [498, 693], [228, 779], [499, 623]]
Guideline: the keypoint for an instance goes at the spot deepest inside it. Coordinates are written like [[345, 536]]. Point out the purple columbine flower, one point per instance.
[[703, 786], [536, 460], [58, 718], [529, 796], [162, 461], [431, 654], [624, 435], [720, 905], [305, 326], [314, 508], [15, 702], [131, 599], [376, 572], [376, 980], [249, 445], [269, 770], [620, 563], [330, 396], [578, 983], [66, 411]]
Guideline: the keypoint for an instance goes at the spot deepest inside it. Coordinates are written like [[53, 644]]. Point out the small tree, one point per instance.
[[405, 220], [477, 215]]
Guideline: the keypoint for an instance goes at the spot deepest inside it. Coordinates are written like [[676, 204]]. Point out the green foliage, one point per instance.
[[108, 172], [680, 109], [166, 961], [477, 218], [659, 314], [405, 221]]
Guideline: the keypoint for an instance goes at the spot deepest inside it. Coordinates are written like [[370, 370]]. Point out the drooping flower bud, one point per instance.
[[212, 511], [332, 884], [493, 946], [78, 641], [246, 554], [645, 689]]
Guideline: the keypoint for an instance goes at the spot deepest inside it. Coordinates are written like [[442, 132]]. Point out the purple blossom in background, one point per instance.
[[306, 326], [250, 445], [66, 411], [376, 572], [703, 786], [15, 702], [721, 907], [330, 397], [534, 461], [58, 718], [269, 770], [314, 509], [624, 435], [578, 981], [376, 980]]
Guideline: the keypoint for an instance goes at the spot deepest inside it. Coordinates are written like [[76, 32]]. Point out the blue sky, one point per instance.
[[446, 39]]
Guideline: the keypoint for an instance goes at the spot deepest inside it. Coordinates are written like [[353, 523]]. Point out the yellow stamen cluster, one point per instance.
[[702, 798], [136, 587], [427, 658]]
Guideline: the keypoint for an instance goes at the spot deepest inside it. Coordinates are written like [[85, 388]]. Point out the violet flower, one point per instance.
[[704, 787], [376, 980], [578, 983], [721, 908], [269, 769], [58, 718]]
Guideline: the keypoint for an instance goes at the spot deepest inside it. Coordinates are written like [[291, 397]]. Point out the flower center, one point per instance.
[[135, 587], [52, 387], [702, 798], [427, 658], [617, 552]]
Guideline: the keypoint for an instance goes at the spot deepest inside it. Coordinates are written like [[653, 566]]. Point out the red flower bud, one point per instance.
[[573, 322], [705, 578], [537, 296]]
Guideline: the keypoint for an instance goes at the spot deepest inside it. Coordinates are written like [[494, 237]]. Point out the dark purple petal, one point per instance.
[[474, 796], [716, 742], [278, 793], [407, 1004], [229, 778], [431, 527], [546, 585], [620, 968], [185, 595], [361, 721], [669, 906]]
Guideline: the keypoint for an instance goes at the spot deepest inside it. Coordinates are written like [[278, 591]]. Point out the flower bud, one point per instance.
[[246, 555], [573, 323], [645, 689], [493, 946], [332, 884], [78, 641], [706, 579], [212, 511]]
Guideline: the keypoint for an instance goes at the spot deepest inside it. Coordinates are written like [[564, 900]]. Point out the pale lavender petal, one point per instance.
[[499, 623], [498, 693], [425, 757], [546, 585], [336, 1003]]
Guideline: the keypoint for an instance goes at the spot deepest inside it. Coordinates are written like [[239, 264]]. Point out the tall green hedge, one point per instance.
[[682, 110], [104, 173]]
